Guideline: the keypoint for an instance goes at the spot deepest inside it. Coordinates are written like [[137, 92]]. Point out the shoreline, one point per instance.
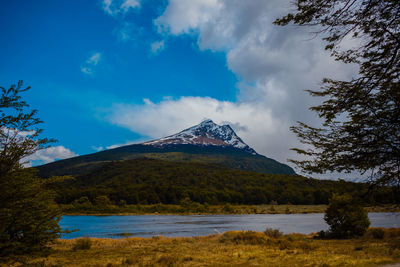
[[222, 210]]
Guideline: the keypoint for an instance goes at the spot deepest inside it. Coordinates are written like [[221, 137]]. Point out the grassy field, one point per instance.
[[196, 208], [376, 248]]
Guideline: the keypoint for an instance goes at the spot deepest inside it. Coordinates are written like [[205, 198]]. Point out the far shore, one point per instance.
[[161, 209]]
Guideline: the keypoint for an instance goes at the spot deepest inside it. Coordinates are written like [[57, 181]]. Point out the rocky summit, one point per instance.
[[207, 133]]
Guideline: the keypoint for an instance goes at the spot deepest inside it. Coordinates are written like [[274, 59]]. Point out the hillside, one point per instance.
[[227, 156], [206, 163], [148, 181]]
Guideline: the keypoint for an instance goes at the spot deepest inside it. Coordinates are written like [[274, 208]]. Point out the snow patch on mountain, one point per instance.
[[205, 133]]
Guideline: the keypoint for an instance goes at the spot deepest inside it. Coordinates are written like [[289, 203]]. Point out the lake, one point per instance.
[[119, 226]]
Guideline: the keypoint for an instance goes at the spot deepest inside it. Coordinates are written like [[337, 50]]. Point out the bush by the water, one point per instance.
[[82, 244], [243, 237], [377, 233], [274, 233], [346, 217]]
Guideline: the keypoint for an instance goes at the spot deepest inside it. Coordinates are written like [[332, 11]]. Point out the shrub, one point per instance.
[[129, 261], [272, 210], [167, 260], [186, 203], [358, 248], [274, 233], [322, 235], [346, 217], [284, 244], [394, 244], [377, 233], [305, 246], [246, 237], [228, 208], [82, 244]]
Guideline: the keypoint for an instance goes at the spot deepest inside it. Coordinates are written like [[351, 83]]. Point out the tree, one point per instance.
[[19, 134], [28, 216], [345, 217], [361, 117]]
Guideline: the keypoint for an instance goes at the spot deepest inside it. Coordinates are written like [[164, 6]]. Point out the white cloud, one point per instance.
[[50, 154], [127, 4], [182, 16], [88, 67], [125, 31], [122, 144], [98, 148], [119, 7], [254, 123], [128, 32], [270, 61], [274, 65], [94, 59], [12, 133], [157, 46]]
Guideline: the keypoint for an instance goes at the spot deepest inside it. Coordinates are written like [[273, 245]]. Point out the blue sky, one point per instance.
[[46, 43], [105, 73]]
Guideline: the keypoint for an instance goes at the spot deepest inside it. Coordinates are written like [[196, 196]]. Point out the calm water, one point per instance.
[[195, 225]]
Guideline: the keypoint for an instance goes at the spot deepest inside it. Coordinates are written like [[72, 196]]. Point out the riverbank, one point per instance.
[[200, 209], [377, 247]]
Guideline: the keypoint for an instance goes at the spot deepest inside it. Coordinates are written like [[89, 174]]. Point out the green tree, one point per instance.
[[28, 216], [345, 217], [102, 201], [82, 203], [361, 117]]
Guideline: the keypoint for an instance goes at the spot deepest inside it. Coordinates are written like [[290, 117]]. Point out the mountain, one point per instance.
[[205, 134], [206, 163], [206, 142]]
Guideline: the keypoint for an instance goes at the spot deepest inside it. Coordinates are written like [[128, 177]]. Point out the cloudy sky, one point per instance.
[[111, 72]]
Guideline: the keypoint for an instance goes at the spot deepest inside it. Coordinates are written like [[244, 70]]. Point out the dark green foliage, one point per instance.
[[82, 244], [345, 217], [28, 216], [361, 117], [227, 156], [102, 201], [150, 181]]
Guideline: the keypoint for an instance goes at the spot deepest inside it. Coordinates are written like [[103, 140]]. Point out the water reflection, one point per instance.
[[197, 225]]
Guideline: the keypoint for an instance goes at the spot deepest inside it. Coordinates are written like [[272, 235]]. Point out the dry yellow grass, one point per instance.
[[228, 249]]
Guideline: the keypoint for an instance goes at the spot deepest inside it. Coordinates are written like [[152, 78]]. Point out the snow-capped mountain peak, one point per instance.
[[206, 133]]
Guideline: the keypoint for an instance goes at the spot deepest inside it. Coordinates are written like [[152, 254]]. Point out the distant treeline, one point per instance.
[[150, 181]]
